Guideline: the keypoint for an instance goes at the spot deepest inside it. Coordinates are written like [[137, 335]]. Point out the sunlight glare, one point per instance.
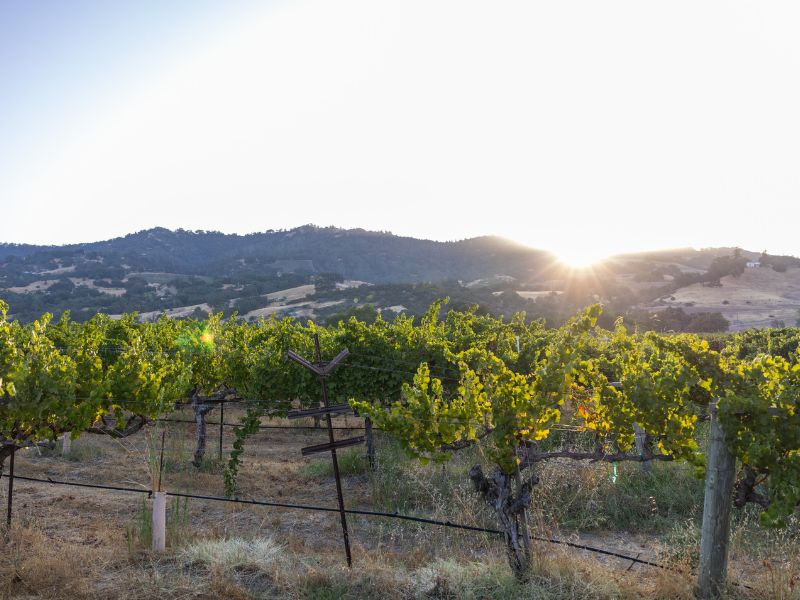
[[580, 257]]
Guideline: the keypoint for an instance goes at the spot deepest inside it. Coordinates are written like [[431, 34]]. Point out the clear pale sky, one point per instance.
[[585, 128]]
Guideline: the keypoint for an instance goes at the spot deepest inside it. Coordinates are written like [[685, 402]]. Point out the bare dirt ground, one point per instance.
[[83, 542]]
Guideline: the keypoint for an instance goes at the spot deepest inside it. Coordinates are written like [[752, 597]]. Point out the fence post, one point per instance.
[[640, 438], [10, 488], [370, 442], [66, 443], [221, 425], [159, 521], [720, 473]]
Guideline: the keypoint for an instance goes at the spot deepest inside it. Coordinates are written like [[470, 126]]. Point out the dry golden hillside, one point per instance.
[[757, 298]]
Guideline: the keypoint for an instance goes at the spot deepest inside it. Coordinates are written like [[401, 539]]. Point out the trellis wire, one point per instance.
[[353, 511]]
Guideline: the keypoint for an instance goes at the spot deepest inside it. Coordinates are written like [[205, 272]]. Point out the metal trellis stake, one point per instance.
[[221, 425], [10, 486], [323, 370]]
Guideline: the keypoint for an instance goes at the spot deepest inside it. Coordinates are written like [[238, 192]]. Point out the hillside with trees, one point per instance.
[[329, 274]]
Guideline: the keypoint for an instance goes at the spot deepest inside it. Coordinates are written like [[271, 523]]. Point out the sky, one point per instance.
[[581, 127]]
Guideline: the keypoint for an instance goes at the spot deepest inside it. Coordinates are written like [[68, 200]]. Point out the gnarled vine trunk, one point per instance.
[[509, 497], [201, 409], [5, 452], [108, 425], [7, 447], [202, 405]]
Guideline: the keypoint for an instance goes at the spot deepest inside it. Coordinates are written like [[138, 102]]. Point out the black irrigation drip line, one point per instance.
[[86, 485], [369, 513], [343, 427], [262, 426], [397, 371], [120, 350], [256, 402], [633, 559], [120, 401], [123, 402], [412, 363], [184, 402], [216, 402], [434, 369]]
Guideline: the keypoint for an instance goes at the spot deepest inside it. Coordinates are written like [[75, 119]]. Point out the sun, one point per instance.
[[580, 258], [577, 252]]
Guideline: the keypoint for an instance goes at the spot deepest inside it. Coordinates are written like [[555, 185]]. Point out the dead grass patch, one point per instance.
[[34, 564]]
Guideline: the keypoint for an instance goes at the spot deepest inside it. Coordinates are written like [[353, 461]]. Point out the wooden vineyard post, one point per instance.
[[715, 535], [323, 370], [66, 443], [640, 438], [370, 435], [221, 425]]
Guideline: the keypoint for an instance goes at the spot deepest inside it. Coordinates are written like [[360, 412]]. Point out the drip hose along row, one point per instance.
[[368, 513]]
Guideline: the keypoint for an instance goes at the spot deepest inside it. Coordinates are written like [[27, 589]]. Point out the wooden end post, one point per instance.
[[715, 536], [221, 425], [370, 442], [640, 438]]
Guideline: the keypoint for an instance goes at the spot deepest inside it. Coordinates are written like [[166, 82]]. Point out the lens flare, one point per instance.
[[197, 338]]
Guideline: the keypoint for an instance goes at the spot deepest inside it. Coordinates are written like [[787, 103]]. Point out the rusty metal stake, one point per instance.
[[161, 460], [10, 486], [335, 460], [323, 369]]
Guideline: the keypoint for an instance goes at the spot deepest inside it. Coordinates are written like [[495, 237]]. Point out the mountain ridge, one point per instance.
[[331, 249], [193, 272]]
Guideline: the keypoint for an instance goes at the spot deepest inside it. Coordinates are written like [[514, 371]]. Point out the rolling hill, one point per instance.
[[320, 272]]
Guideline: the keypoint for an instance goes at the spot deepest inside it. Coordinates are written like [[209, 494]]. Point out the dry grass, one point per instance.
[[35, 565], [323, 576], [231, 554], [71, 542]]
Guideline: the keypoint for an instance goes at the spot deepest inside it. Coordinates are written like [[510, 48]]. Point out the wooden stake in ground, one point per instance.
[[66, 443], [720, 474]]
